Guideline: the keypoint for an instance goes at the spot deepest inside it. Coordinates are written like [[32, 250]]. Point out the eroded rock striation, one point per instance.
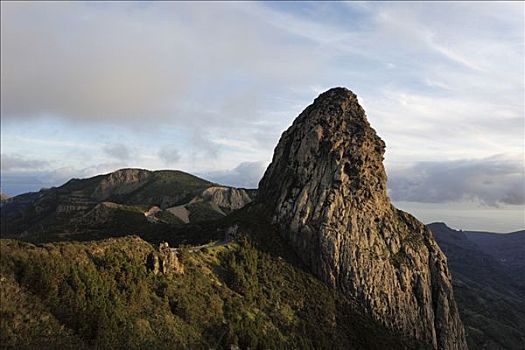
[[229, 198], [326, 190]]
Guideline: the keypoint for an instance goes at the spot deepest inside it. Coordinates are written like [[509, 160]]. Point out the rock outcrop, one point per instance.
[[76, 201], [165, 261], [120, 182], [212, 203], [326, 191], [225, 197]]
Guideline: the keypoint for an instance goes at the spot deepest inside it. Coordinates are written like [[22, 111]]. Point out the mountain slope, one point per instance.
[[251, 291], [326, 190], [490, 294], [117, 203], [508, 249]]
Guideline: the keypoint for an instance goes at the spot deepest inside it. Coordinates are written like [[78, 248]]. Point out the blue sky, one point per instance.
[[209, 87]]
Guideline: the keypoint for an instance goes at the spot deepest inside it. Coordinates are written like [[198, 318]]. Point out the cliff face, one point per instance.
[[121, 182], [326, 190]]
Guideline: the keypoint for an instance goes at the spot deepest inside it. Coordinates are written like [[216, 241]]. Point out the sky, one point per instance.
[[208, 88]]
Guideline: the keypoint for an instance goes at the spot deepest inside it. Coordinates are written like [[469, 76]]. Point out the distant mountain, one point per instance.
[[508, 249], [487, 270], [3, 196], [126, 201]]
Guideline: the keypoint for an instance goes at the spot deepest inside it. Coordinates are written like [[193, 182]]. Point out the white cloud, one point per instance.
[[16, 162], [169, 155], [124, 62], [246, 175], [20, 180], [490, 181], [118, 151]]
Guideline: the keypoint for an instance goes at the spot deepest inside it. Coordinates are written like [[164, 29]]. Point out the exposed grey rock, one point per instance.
[[232, 232], [326, 190], [217, 201], [76, 201], [169, 261], [225, 197], [120, 182]]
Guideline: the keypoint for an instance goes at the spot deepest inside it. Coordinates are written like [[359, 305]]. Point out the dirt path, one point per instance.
[[200, 247]]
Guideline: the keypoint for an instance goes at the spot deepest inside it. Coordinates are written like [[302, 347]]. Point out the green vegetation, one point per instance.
[[252, 292], [178, 185], [492, 320], [489, 294], [204, 211], [168, 218]]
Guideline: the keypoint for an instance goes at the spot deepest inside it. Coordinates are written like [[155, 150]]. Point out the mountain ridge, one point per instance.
[[135, 191]]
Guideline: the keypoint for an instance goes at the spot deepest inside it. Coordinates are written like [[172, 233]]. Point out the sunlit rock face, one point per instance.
[[326, 190]]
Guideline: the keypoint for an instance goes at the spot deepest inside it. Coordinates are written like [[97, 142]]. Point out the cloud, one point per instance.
[[17, 180], [141, 64], [202, 146], [11, 162], [246, 175], [223, 70], [15, 183], [491, 181], [169, 155], [118, 151]]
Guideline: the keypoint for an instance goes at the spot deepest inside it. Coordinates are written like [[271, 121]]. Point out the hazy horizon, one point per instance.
[[208, 88]]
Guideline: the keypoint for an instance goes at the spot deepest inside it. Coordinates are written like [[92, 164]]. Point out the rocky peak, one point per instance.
[[326, 191], [331, 144]]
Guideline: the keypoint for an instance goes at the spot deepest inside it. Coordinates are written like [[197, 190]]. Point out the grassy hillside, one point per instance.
[[165, 188], [251, 291]]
